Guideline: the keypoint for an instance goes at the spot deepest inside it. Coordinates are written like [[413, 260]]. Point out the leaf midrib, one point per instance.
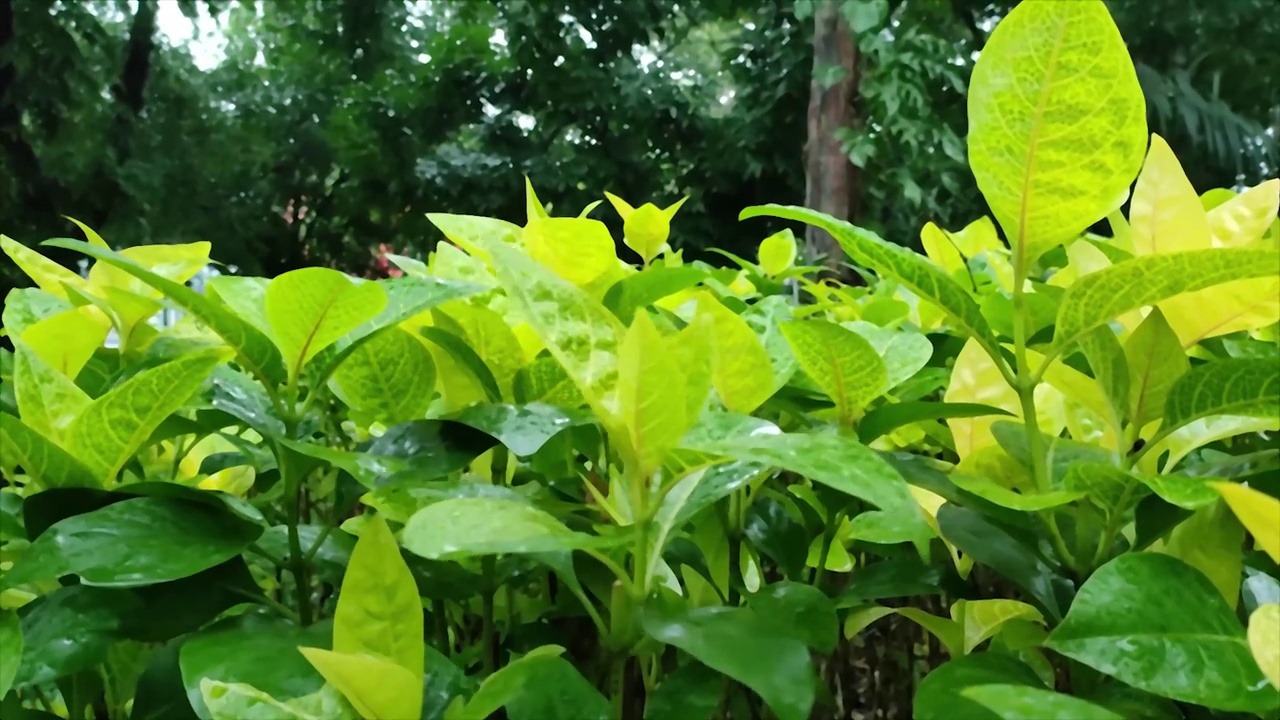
[[1020, 259]]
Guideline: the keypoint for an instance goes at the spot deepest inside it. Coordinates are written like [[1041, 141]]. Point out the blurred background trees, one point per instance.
[[315, 131]]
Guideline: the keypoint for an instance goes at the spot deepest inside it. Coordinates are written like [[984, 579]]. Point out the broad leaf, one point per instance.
[[1166, 214], [1210, 541], [309, 309], [1017, 702], [254, 350], [1155, 623], [390, 378], [10, 649], [840, 361], [1106, 294], [1057, 122], [523, 429], [637, 291], [68, 340], [733, 641], [114, 426], [377, 688], [741, 372], [379, 611], [1155, 361], [890, 416], [801, 610], [900, 263], [1264, 628], [48, 400], [69, 630], [1257, 511], [38, 456], [241, 701], [539, 686], [135, 542], [1111, 370], [651, 399], [576, 249], [1228, 387], [940, 694], [982, 619], [468, 526]]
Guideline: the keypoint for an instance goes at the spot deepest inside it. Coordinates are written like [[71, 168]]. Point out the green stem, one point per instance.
[[828, 537], [438, 611], [293, 486], [618, 682], [315, 547], [487, 630]]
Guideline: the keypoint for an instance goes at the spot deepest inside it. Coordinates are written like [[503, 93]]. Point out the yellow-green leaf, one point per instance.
[[533, 206], [1166, 214], [1155, 360], [309, 309], [376, 688], [89, 233], [622, 206], [578, 250], [840, 361], [379, 610], [1145, 280], [48, 400], [939, 247], [777, 253], [982, 619], [492, 339], [645, 231], [1210, 541], [390, 378], [651, 399], [45, 462], [1257, 511], [1243, 219], [46, 274], [1264, 641], [1240, 386], [1057, 122], [178, 263], [114, 426], [67, 340], [740, 369]]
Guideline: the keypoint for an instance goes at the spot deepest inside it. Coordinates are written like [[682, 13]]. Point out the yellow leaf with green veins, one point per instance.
[[577, 250], [379, 610], [1264, 641], [982, 619], [178, 263], [651, 400], [472, 233], [43, 460], [48, 400], [844, 364], [493, 340], [1257, 511], [46, 274], [308, 309], [1239, 386], [1057, 122], [777, 253], [390, 378], [376, 688], [67, 340], [1243, 219], [1156, 361], [740, 369], [1210, 541], [1166, 214]]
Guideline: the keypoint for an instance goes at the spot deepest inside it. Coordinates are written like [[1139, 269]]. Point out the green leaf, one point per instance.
[[1241, 387], [733, 641], [469, 526], [69, 630], [47, 274], [254, 350], [900, 263], [840, 361], [777, 253], [254, 650], [379, 612], [899, 577], [159, 694], [135, 542], [1101, 296], [576, 249], [982, 619], [1057, 122], [1008, 552], [940, 694], [390, 378], [114, 426], [578, 331], [1155, 360], [741, 371], [246, 296], [10, 649], [1110, 368], [1153, 622], [891, 416], [48, 401], [839, 463], [803, 611], [239, 701], [1210, 541], [24, 307], [1004, 497], [904, 353], [651, 401], [691, 692], [377, 688], [538, 686], [462, 353], [68, 340], [523, 429], [42, 460], [244, 399], [648, 286], [309, 309], [1017, 702]]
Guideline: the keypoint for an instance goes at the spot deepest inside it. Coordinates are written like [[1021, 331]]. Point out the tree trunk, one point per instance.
[[831, 180]]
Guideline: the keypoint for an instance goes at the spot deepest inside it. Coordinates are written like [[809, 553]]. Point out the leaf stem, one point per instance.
[[293, 485], [488, 634]]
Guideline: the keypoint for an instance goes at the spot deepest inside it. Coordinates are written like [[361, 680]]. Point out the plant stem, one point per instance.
[[438, 611], [293, 486], [487, 632]]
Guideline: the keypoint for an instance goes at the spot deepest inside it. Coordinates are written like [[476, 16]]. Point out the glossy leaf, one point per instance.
[[379, 612], [840, 361], [240, 701], [940, 694], [732, 641], [1131, 284], [651, 400], [24, 307], [1264, 628], [254, 350], [10, 649], [1111, 370], [309, 309], [801, 610], [246, 296], [891, 416], [48, 400], [390, 378], [377, 688], [538, 686], [578, 250], [1016, 702], [1257, 511], [462, 353], [777, 253], [982, 619], [47, 274], [691, 692], [1210, 541], [1004, 497], [135, 542], [69, 630], [1051, 80], [1155, 623], [523, 429], [637, 291], [741, 372], [468, 526], [900, 263], [1228, 387], [67, 340]]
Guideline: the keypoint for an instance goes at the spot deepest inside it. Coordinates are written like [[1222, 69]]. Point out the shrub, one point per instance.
[[528, 478]]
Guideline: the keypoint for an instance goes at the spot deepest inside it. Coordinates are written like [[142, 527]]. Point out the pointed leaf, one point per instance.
[[578, 250], [309, 309], [48, 401], [39, 457], [379, 611], [1264, 628], [740, 369], [840, 361], [940, 694], [1016, 702], [10, 649], [1155, 361], [1257, 511], [1153, 622], [647, 287], [47, 274], [390, 378], [377, 688], [67, 340], [1242, 387], [469, 526], [889, 417], [650, 405], [1166, 214]]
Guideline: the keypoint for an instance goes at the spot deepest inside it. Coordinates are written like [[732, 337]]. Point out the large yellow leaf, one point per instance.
[[577, 250], [1264, 640], [1166, 214], [740, 369], [378, 689], [47, 274], [651, 400], [67, 340], [1258, 512]]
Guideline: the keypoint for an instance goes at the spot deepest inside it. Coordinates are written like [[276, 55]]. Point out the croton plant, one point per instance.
[[529, 478]]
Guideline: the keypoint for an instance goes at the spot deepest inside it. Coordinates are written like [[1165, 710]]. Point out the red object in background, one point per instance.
[[383, 267]]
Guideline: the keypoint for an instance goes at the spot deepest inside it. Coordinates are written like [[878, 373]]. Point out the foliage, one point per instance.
[[527, 478]]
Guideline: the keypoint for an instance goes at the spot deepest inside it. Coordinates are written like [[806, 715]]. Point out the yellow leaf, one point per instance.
[[651, 401], [1257, 511], [67, 340], [533, 206], [978, 237], [645, 231], [378, 689], [740, 368], [47, 274], [179, 263], [577, 250], [1243, 219], [93, 237], [622, 206], [1264, 640], [1166, 214], [236, 480], [777, 253], [940, 248]]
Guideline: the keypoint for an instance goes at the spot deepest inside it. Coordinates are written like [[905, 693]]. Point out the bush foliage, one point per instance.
[[530, 479]]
